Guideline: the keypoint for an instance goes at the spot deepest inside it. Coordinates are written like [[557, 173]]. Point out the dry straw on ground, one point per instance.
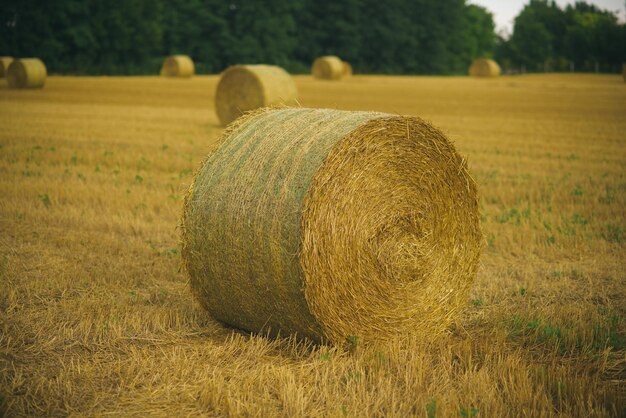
[[26, 73], [483, 67], [347, 69], [97, 319], [247, 87], [330, 224], [329, 67], [177, 66], [4, 65]]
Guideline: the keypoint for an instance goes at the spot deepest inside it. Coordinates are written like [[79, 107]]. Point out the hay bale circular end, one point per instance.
[[178, 66], [484, 68], [242, 88], [328, 67], [329, 224], [26, 73], [4, 65]]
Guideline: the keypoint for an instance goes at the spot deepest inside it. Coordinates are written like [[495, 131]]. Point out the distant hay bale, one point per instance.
[[247, 87], [484, 68], [4, 65], [177, 66], [624, 72], [329, 224], [347, 69], [26, 73], [329, 67]]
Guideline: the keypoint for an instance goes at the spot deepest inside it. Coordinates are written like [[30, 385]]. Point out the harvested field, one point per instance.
[[96, 316]]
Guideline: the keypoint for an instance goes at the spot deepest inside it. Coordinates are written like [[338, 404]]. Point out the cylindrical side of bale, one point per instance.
[[329, 67], [484, 68], [329, 224], [178, 66], [26, 73], [347, 69], [242, 88], [4, 65]]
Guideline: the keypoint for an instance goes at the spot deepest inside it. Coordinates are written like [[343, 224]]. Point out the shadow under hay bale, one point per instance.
[[26, 73], [484, 68], [329, 67], [177, 66], [329, 224], [4, 65], [247, 87]]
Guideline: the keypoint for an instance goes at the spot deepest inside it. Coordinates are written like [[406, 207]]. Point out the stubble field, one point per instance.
[[96, 317]]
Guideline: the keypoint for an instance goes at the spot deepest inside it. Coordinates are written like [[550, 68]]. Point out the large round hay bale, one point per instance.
[[177, 66], [4, 65], [26, 73], [347, 69], [484, 68], [329, 67], [329, 224], [247, 87]]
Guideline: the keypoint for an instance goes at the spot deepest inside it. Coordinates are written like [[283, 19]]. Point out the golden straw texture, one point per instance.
[[4, 65], [347, 69], [26, 73], [484, 68], [247, 87], [329, 67], [329, 224], [177, 66]]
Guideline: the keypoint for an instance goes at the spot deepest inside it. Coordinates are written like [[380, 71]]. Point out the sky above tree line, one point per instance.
[[504, 11]]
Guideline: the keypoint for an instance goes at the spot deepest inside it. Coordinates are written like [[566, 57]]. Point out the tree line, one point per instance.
[[579, 37], [394, 36]]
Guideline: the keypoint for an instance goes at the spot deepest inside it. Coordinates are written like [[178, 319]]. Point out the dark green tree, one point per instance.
[[197, 28], [261, 32], [325, 27], [439, 28], [535, 38], [388, 37], [128, 35], [581, 37], [594, 39], [479, 33]]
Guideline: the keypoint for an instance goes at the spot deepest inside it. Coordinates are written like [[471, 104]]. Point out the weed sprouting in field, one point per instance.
[[45, 199], [431, 408]]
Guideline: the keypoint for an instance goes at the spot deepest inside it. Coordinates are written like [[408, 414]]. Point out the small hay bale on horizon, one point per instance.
[[242, 88], [329, 224], [177, 66], [484, 67], [328, 67], [26, 73], [624, 72], [4, 65]]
